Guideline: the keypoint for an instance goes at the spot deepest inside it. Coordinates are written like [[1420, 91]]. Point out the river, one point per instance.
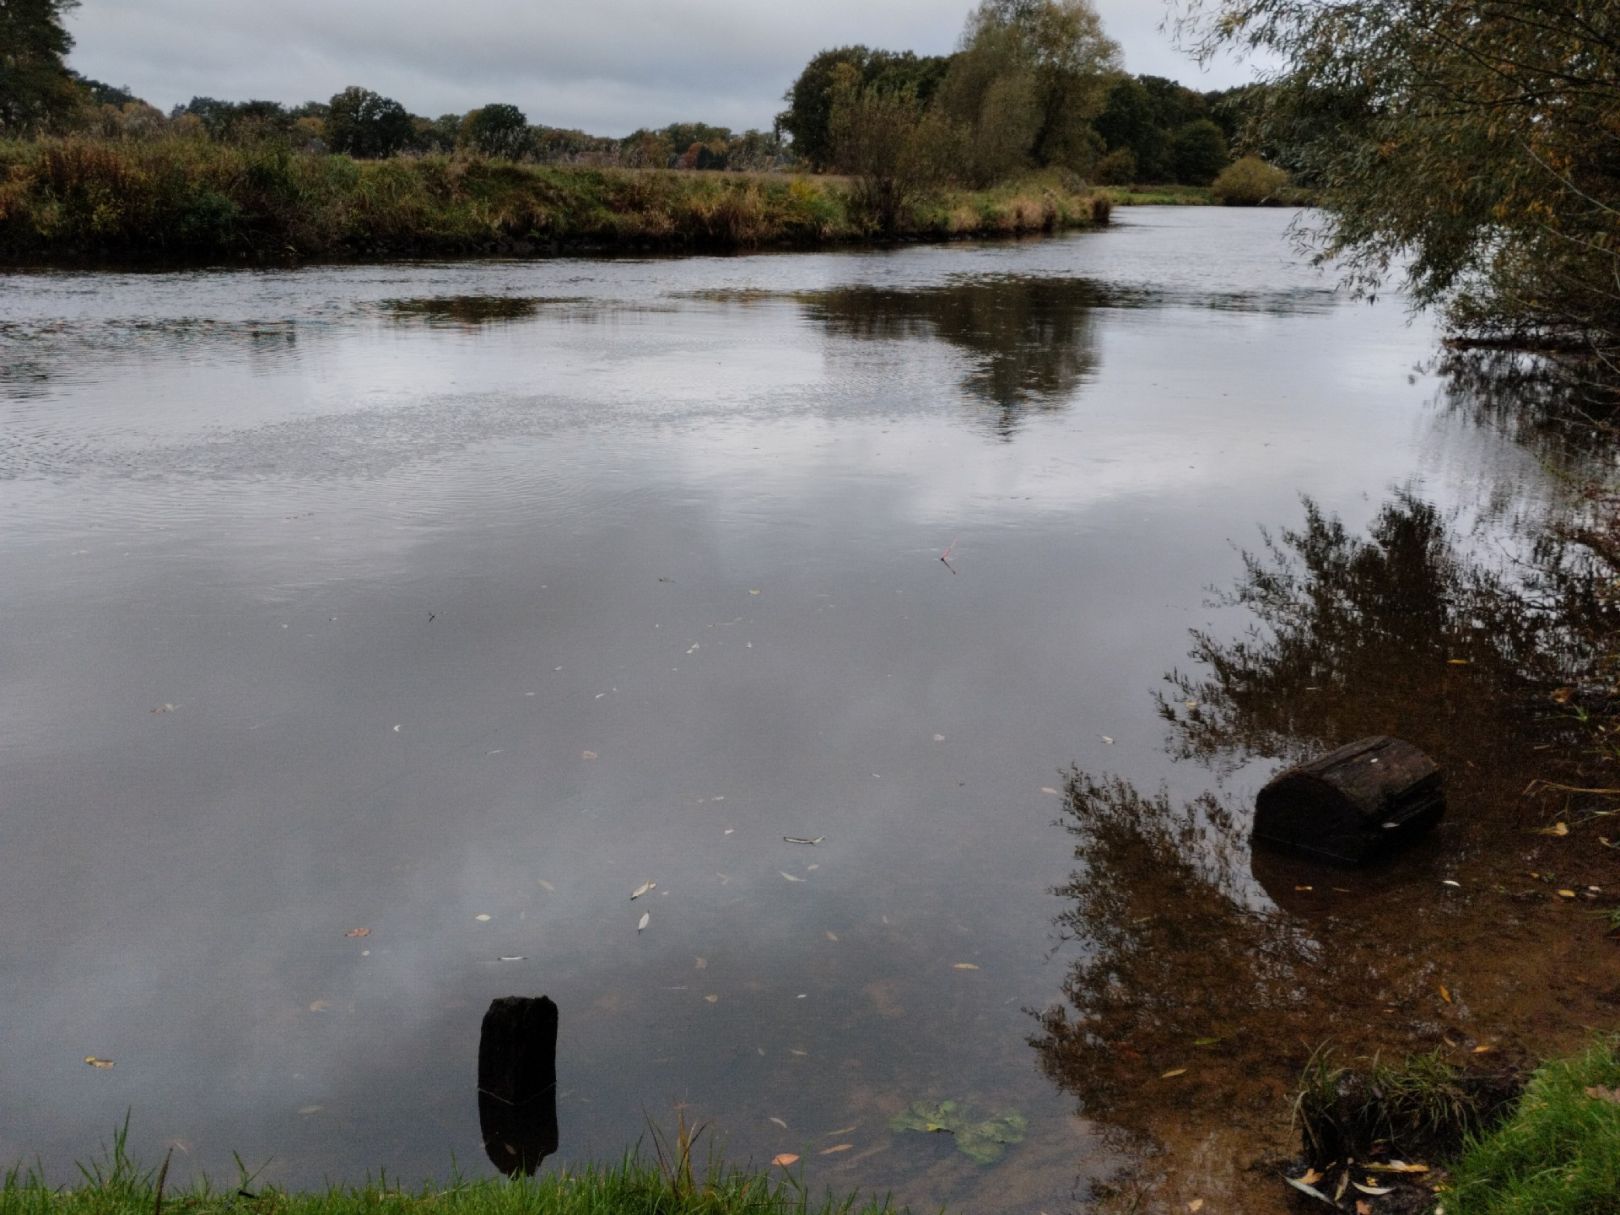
[[372, 633]]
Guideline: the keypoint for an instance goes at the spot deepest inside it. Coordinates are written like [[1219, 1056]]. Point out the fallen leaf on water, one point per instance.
[[778, 1122], [790, 877], [1459, 662], [171, 709], [1305, 1187], [1483, 1049], [843, 1130], [588, 755], [799, 839], [1049, 791], [512, 957], [702, 962], [1172, 1073], [1444, 994], [939, 738], [482, 917], [797, 1053], [310, 1109], [320, 1005], [397, 729], [832, 936], [785, 1158], [646, 916], [642, 889], [712, 999], [103, 1064], [1598, 1092], [1566, 894], [754, 590], [1107, 739], [1196, 1205], [1375, 1190], [837, 1147], [358, 932], [963, 966], [546, 886]]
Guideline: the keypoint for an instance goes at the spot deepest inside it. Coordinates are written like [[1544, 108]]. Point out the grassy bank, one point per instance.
[[178, 199], [117, 1186], [1158, 196]]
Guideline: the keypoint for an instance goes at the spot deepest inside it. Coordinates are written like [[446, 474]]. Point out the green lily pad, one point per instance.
[[981, 1140]]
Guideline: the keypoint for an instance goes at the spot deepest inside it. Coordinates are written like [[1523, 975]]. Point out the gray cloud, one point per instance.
[[607, 67]]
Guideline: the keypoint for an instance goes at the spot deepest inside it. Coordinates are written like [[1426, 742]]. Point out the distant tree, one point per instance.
[[894, 147], [102, 94], [1198, 152], [367, 125], [498, 129], [808, 117], [36, 89], [1029, 77]]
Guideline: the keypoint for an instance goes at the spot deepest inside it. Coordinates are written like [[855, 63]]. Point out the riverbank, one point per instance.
[[117, 1185], [188, 200]]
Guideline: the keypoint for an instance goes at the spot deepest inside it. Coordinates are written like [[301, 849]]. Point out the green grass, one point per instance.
[[188, 199], [667, 1185], [1560, 1152], [1158, 196]]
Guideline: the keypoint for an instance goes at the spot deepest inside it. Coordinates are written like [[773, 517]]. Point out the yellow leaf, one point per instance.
[[1566, 894], [964, 966], [1172, 1073], [1398, 1166], [1483, 1049], [785, 1159], [1312, 1176], [1444, 994], [103, 1064], [1555, 829], [712, 999], [1196, 1205], [836, 1148]]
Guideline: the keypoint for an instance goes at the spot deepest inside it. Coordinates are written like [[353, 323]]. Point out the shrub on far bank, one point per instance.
[[1251, 182]]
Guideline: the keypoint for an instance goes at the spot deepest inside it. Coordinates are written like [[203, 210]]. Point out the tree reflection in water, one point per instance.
[[1185, 964], [1032, 341]]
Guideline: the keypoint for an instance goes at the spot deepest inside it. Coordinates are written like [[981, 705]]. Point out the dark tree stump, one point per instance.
[[1352, 805], [517, 1082]]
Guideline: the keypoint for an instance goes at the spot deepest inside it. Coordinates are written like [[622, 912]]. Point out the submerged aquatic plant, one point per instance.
[[981, 1140]]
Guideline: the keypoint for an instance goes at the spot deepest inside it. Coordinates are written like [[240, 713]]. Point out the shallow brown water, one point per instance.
[[393, 598]]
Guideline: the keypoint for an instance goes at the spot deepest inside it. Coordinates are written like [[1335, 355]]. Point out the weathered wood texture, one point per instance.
[[1353, 804], [517, 1082]]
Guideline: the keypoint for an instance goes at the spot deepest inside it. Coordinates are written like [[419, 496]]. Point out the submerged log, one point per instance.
[[1353, 804], [517, 1082]]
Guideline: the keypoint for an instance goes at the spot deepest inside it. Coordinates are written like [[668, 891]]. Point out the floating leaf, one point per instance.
[[778, 1122], [588, 755], [646, 916], [702, 962], [1049, 791], [546, 886], [1172, 1073], [1107, 739], [642, 889], [1195, 1206], [712, 999], [843, 1130], [1566, 894], [1444, 994], [836, 1148], [103, 1064], [482, 917], [982, 1141], [358, 932], [963, 966], [799, 839], [310, 1109], [789, 876], [1305, 1187], [512, 957], [784, 1159], [832, 936]]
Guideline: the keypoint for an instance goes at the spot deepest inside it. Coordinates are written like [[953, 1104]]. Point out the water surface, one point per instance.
[[455, 602]]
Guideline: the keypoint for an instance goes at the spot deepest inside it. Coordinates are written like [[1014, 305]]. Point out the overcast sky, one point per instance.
[[607, 66]]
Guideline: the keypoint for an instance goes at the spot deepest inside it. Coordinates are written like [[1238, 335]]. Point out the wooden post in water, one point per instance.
[[517, 1082]]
